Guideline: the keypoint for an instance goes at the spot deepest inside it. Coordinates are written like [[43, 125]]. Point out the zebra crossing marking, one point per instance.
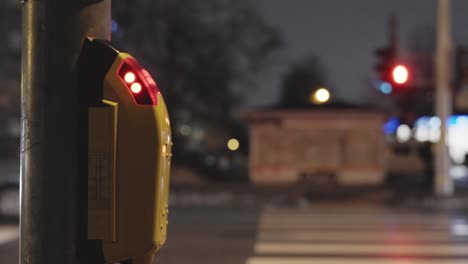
[[333, 236]]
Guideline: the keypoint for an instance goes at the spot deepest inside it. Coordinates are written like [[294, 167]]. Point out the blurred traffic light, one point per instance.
[[390, 73]]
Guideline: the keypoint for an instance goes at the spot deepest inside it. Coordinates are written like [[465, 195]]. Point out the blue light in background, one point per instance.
[[434, 122], [114, 26], [386, 88], [422, 121], [462, 119], [457, 120], [452, 120], [391, 126]]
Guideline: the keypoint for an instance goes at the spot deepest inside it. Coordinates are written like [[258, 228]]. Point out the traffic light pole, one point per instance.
[[443, 103], [53, 31]]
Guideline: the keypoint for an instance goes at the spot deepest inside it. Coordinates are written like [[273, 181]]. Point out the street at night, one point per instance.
[[322, 233], [234, 132]]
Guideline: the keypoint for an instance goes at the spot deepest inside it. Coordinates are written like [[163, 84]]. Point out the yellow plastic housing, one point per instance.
[[131, 219]]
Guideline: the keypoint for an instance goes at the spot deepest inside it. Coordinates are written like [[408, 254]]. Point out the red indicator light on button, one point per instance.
[[129, 77], [139, 82], [136, 88]]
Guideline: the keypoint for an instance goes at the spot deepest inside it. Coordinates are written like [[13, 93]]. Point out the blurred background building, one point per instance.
[[328, 144]]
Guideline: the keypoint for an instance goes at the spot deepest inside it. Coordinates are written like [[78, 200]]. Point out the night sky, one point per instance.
[[344, 35]]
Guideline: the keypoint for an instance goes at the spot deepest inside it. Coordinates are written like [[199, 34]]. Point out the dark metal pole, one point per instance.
[[53, 31]]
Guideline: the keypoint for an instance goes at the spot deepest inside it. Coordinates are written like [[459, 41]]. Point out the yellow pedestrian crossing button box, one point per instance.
[[129, 153]]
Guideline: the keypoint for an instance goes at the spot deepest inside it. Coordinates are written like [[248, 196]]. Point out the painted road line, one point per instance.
[[311, 260], [358, 235], [262, 248]]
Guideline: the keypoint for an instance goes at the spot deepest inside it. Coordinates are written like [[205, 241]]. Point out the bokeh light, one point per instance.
[[233, 144], [321, 96], [403, 133], [400, 74]]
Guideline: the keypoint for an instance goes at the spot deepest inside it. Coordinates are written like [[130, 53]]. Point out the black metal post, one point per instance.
[[53, 32]]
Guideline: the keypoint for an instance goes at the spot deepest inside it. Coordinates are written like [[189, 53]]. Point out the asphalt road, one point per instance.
[[210, 236], [195, 235], [325, 234]]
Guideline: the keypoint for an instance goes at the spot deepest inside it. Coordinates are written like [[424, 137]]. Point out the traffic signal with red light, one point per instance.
[[389, 71]]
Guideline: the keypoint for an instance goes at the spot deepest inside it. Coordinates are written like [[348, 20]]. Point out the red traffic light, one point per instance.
[[400, 74]]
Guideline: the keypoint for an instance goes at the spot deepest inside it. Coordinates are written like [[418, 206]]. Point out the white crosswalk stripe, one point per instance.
[[363, 235]]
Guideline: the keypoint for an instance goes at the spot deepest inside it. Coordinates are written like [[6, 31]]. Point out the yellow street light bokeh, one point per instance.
[[321, 96], [233, 144]]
